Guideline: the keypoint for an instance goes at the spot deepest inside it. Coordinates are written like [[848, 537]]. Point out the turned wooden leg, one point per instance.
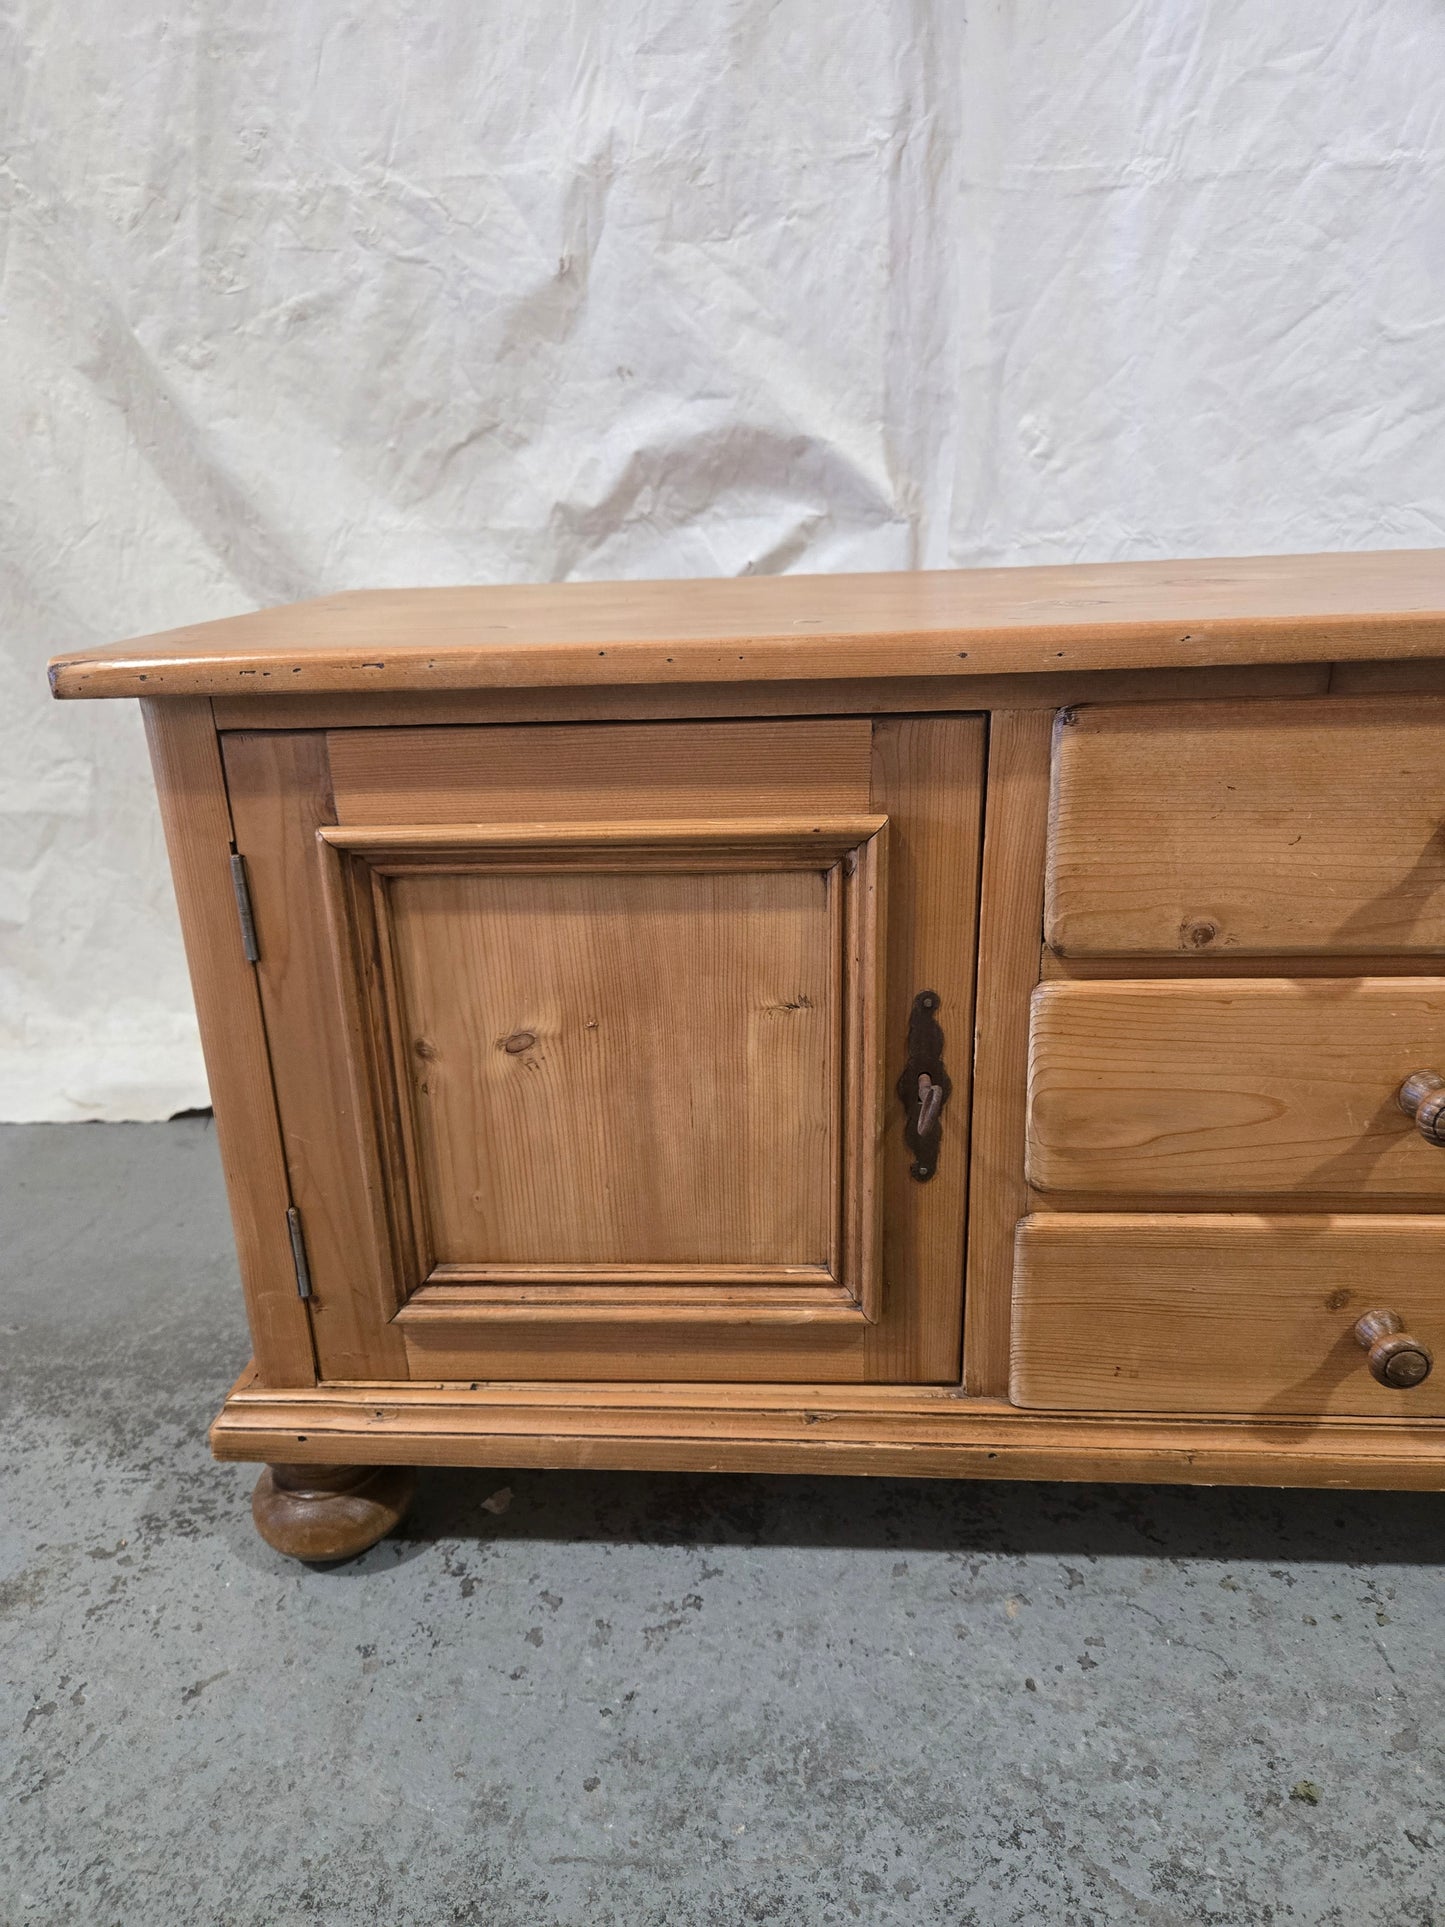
[[326, 1512]]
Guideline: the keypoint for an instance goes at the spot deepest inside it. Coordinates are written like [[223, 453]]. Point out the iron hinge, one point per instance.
[[241, 885], [298, 1252]]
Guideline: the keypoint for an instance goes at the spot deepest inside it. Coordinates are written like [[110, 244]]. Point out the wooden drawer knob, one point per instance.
[[1422, 1096], [1396, 1358]]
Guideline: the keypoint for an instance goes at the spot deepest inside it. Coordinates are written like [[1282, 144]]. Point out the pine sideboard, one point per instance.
[[977, 1024]]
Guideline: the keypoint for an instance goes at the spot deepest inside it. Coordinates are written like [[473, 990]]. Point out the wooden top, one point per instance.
[[1134, 615]]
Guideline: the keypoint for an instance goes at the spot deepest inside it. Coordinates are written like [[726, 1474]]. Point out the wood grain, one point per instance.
[[1270, 1086], [859, 696], [771, 1346], [280, 797], [679, 1101], [601, 773], [1203, 1313], [644, 1155], [859, 890], [928, 779], [673, 843], [1010, 927], [1253, 828], [693, 942], [191, 788], [883, 1431], [981, 621], [669, 922], [740, 1295]]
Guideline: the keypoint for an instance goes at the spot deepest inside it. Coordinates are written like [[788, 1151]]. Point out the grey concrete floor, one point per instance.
[[635, 1699]]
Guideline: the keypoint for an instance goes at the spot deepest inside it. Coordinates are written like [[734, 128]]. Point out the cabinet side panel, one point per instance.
[[928, 779], [1011, 926], [280, 796], [185, 756]]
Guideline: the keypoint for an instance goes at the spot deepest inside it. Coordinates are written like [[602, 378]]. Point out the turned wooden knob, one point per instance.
[[1422, 1096], [1396, 1358]]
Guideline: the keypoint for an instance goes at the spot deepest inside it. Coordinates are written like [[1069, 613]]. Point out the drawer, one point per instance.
[[1247, 1315], [1248, 829], [1209, 1088]]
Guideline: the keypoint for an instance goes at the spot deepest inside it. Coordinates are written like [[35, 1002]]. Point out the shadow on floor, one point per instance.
[[994, 1518]]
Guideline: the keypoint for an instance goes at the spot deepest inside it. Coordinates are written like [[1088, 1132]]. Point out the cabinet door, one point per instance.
[[591, 1043]]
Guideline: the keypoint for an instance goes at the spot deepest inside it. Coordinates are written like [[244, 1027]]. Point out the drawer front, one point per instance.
[[1218, 1088], [1245, 829], [1232, 1315]]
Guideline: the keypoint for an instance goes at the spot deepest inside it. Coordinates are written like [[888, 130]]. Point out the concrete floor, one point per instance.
[[631, 1699]]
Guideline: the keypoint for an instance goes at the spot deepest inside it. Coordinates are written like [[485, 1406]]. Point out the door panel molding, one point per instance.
[[385, 936]]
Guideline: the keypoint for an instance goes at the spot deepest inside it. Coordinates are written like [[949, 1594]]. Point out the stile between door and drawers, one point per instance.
[[959, 1024]]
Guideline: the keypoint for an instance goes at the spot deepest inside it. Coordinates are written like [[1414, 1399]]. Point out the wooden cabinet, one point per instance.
[[983, 1024]]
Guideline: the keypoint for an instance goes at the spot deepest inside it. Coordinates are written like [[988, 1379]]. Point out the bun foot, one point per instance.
[[322, 1513]]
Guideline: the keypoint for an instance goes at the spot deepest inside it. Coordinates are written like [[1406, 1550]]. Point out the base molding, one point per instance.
[[882, 1431]]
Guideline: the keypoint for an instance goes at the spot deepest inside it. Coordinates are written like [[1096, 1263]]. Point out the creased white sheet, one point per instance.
[[303, 297]]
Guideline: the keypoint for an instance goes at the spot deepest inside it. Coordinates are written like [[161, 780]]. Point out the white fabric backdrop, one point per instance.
[[297, 297]]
